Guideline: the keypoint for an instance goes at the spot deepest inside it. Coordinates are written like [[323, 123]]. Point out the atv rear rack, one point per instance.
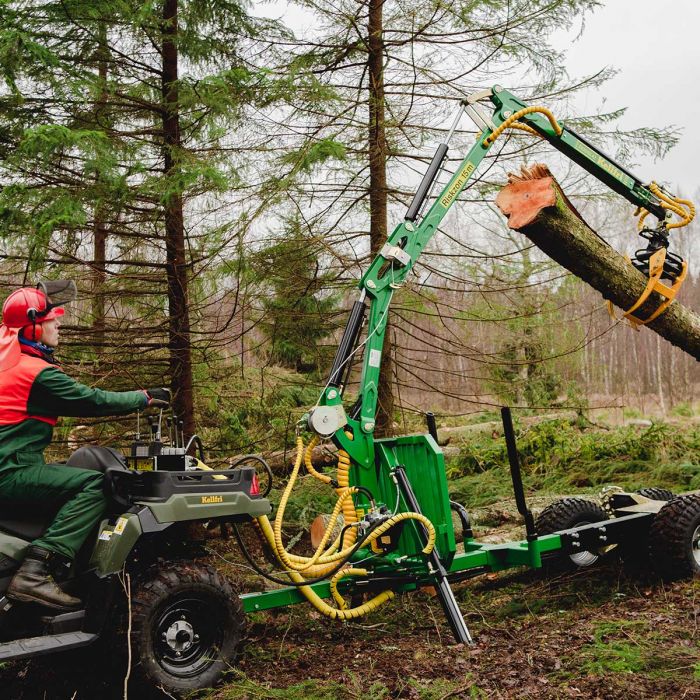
[[159, 486]]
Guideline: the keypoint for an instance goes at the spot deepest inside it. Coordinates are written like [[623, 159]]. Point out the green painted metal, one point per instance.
[[114, 544], [425, 467], [493, 557], [181, 507], [372, 461]]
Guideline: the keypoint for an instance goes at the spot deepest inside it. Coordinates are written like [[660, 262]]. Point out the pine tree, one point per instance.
[[118, 117]]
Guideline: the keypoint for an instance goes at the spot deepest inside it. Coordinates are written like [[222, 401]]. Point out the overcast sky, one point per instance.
[[656, 47]]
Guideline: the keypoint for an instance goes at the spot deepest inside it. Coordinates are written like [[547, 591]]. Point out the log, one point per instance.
[[537, 207]]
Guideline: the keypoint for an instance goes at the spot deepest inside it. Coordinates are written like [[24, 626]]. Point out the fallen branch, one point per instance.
[[536, 206]]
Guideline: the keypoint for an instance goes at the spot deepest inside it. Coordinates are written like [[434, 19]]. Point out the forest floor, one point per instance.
[[595, 633], [600, 632], [590, 634]]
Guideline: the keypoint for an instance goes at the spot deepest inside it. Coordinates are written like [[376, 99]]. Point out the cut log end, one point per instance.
[[523, 199]]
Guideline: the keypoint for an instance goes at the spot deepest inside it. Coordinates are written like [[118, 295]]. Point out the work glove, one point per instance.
[[159, 397]]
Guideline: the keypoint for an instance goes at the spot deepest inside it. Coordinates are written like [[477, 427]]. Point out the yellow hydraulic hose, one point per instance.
[[331, 556], [342, 603], [311, 566], [349, 511], [346, 495], [683, 208], [314, 598], [308, 463], [321, 563], [292, 561], [513, 118], [301, 564]]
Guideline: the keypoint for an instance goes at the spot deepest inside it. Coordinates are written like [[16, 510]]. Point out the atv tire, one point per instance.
[[656, 494], [565, 514], [186, 626], [674, 538]]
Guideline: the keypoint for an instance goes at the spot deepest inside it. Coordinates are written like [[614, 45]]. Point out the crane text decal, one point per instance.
[[457, 185]]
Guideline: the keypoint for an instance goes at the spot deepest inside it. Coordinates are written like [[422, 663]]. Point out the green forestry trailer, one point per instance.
[[397, 531]]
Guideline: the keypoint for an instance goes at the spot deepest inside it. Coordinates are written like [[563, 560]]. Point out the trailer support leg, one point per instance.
[[445, 593]]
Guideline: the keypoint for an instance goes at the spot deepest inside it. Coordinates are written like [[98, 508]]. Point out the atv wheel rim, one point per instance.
[[180, 636], [188, 636], [695, 546]]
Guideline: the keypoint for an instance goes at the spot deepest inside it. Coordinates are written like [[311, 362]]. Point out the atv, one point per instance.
[[186, 619]]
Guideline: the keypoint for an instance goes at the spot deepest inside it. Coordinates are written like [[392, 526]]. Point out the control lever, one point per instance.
[[169, 423]]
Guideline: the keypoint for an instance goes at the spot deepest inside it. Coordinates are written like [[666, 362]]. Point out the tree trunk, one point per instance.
[[179, 321], [537, 207], [378, 198], [99, 227]]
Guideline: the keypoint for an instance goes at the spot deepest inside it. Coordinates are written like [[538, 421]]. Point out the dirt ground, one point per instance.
[[592, 634], [595, 633]]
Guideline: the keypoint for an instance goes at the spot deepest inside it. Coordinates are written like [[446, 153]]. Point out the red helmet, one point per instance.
[[28, 306]]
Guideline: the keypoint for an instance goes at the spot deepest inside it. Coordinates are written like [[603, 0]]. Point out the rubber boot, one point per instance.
[[34, 583]]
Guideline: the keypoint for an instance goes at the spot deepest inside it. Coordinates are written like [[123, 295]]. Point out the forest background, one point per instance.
[[216, 184]]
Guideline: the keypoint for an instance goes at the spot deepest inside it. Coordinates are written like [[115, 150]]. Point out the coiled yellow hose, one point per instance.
[[300, 568], [513, 118], [683, 208], [313, 598], [343, 479]]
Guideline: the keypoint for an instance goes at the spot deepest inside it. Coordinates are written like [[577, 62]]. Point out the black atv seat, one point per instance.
[[98, 458], [29, 521]]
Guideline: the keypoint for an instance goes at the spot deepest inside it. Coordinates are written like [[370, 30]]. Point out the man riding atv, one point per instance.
[[34, 392]]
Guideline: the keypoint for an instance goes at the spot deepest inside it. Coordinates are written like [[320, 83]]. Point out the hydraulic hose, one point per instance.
[[322, 563], [342, 603], [343, 478], [315, 600], [308, 463]]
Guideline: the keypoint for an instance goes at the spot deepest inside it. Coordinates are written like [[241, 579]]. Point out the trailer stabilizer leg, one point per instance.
[[445, 593], [516, 477]]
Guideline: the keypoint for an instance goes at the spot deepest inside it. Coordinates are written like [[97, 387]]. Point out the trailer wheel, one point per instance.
[[565, 514], [187, 624], [674, 538], [656, 494]]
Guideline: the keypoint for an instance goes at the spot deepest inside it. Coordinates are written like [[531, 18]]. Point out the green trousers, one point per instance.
[[78, 492]]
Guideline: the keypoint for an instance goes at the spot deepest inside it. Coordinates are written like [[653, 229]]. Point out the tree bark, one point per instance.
[[179, 321], [536, 206], [378, 194], [100, 231]]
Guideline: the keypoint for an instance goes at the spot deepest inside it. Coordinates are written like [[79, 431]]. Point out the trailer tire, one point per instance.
[[656, 494], [565, 514], [674, 538], [187, 623]]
